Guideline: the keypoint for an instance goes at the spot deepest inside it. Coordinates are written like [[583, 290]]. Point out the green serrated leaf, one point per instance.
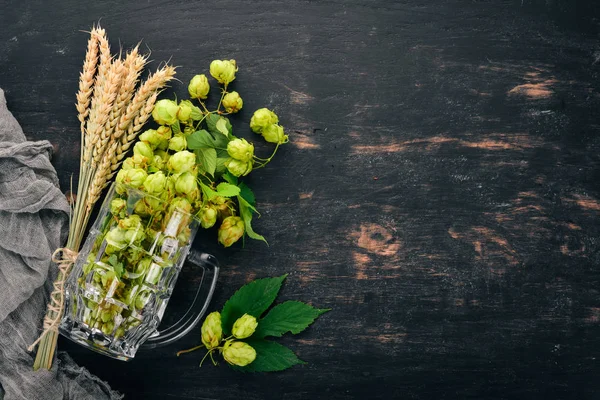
[[221, 126], [208, 159], [221, 164], [246, 210], [253, 298], [291, 316], [228, 177], [211, 124], [207, 191], [118, 268], [270, 357], [196, 114], [227, 189], [200, 140], [247, 194], [112, 260], [176, 128]]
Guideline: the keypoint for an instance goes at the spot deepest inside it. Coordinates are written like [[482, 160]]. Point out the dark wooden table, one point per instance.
[[440, 192]]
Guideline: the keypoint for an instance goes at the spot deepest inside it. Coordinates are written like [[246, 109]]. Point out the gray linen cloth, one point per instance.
[[33, 223]]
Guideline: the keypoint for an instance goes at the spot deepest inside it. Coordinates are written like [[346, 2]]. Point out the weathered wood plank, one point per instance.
[[440, 192]]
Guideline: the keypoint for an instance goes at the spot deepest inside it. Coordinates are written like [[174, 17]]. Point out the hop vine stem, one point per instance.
[[265, 161]]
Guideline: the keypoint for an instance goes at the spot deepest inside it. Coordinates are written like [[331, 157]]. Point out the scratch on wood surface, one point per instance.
[[376, 239], [572, 226], [567, 251], [587, 202], [538, 86], [304, 142], [297, 97], [306, 195], [360, 264], [308, 271], [385, 333], [529, 217], [534, 90], [478, 93], [489, 245], [493, 142]]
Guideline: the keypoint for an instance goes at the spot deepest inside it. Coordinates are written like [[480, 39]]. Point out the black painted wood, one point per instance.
[[440, 192]]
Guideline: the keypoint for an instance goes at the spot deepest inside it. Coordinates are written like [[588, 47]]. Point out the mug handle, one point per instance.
[[206, 288]]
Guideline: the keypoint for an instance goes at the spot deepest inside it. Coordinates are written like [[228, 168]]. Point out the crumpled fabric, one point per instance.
[[34, 218]]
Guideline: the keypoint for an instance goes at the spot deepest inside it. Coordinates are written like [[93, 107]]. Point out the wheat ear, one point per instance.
[[100, 136], [86, 79], [132, 68], [97, 107], [119, 145], [141, 107]]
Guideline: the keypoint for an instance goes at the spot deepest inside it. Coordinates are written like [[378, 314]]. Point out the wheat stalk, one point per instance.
[[110, 117]]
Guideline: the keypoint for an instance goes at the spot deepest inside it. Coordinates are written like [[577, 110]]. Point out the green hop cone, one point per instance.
[[225, 207], [132, 221], [151, 137], [208, 216], [238, 353], [156, 164], [136, 161], [143, 265], [155, 183], [186, 184], [244, 326], [231, 230], [135, 235], [164, 133], [182, 161], [211, 330], [232, 102], [238, 168], [188, 130], [185, 111], [118, 207], [240, 149], [180, 204], [223, 70], [165, 112], [274, 134], [116, 238], [184, 236], [199, 87], [143, 149], [130, 178], [163, 154], [177, 143], [261, 119]]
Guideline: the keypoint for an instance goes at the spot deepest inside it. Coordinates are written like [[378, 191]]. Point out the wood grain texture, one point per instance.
[[440, 192]]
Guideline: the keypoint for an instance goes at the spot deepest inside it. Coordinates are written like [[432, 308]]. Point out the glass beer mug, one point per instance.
[[125, 273]]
